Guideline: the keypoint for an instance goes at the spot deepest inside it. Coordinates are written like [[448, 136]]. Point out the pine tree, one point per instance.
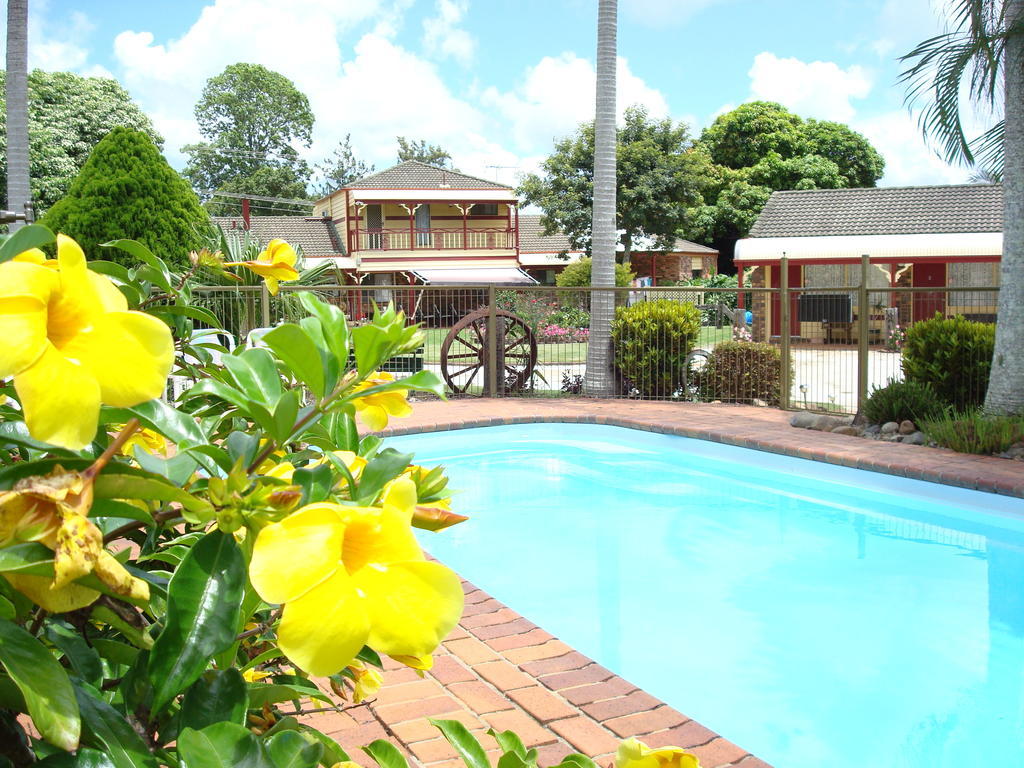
[[126, 189]]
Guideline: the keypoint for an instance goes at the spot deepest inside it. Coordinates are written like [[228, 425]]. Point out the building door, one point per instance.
[[927, 303], [423, 226], [794, 282], [374, 227]]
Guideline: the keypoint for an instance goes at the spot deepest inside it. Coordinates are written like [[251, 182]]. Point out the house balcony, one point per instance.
[[412, 239]]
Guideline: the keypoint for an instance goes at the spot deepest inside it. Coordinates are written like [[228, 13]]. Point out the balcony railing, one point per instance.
[[404, 239]]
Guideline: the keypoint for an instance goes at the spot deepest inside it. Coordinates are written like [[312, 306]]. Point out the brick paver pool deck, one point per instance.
[[498, 670]]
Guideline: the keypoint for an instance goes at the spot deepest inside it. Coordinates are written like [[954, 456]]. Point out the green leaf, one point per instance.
[[296, 350], [48, 693], [16, 432], [371, 344], [30, 558], [181, 428], [203, 601], [385, 754], [185, 310], [332, 321], [251, 374], [83, 758], [509, 741], [222, 745], [29, 236], [7, 609], [289, 749], [316, 483], [283, 688], [379, 471], [110, 269], [113, 483], [104, 728], [512, 760], [120, 510], [115, 652], [465, 743], [333, 751], [218, 696], [577, 760], [285, 413], [159, 273], [423, 381], [84, 660]]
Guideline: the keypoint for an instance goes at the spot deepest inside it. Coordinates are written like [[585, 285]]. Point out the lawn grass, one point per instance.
[[561, 354]]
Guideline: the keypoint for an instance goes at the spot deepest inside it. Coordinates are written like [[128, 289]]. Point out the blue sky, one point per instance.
[[495, 81]]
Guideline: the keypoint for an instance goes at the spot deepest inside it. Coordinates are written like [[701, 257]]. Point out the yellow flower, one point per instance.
[[35, 256], [354, 576], [273, 265], [151, 442], [375, 409], [366, 683], [71, 343], [254, 675], [635, 754], [282, 471], [353, 462], [52, 509]]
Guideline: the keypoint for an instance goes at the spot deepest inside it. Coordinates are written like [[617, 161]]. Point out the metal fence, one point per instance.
[[818, 350]]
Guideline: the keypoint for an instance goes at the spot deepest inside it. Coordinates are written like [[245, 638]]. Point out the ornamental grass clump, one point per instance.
[[173, 575], [901, 400], [974, 431]]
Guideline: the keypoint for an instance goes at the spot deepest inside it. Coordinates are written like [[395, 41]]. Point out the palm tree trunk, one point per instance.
[[18, 191], [599, 380], [1006, 385]]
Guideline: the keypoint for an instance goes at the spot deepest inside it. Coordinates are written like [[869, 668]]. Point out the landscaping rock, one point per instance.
[[872, 430], [826, 423], [803, 419], [758, 403], [890, 428], [847, 429], [907, 427], [1015, 451], [914, 438]]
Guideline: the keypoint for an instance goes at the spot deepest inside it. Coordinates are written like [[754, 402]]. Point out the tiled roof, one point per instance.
[[413, 174], [882, 211], [316, 234], [533, 240], [686, 246]]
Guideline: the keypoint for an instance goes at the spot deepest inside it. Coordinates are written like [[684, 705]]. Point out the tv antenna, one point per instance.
[[501, 167]]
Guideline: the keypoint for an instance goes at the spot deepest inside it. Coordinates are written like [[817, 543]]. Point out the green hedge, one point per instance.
[[953, 355], [651, 340], [743, 371]]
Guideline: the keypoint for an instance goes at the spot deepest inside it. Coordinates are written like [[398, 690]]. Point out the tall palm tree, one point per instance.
[[985, 45], [599, 380], [18, 191]]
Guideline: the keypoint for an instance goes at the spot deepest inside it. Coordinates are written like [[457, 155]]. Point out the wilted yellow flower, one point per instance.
[[635, 754], [366, 682], [52, 509], [254, 675], [375, 409], [354, 576], [71, 343], [273, 265]]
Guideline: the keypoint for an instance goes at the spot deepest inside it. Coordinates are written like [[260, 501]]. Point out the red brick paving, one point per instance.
[[498, 670]]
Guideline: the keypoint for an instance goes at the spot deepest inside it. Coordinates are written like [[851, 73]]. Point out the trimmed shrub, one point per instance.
[[974, 432], [899, 400], [743, 371], [651, 340], [577, 274], [126, 189], [953, 355]]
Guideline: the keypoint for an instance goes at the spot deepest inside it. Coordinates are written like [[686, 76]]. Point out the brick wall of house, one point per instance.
[[760, 329], [667, 266]]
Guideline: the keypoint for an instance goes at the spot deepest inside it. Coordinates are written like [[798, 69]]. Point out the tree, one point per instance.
[[599, 380], [126, 189], [985, 48], [251, 118], [67, 116], [269, 181], [431, 154], [761, 147], [341, 168], [578, 274], [657, 178], [16, 108]]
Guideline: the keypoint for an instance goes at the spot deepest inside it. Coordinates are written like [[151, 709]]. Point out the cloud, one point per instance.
[[557, 94], [819, 89], [908, 159], [442, 35]]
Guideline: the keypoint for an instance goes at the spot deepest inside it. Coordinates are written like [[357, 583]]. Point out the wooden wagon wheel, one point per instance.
[[465, 348]]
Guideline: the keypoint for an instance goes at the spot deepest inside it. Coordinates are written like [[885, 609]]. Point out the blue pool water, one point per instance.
[[818, 616]]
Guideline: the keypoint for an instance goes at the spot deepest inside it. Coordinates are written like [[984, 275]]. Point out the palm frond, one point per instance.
[[972, 50]]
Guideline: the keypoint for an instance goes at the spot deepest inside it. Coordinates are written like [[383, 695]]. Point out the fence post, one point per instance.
[[785, 321], [863, 315], [265, 304], [492, 343]]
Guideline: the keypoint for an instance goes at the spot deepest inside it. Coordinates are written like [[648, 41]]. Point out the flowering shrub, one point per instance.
[[556, 334], [173, 575], [742, 333], [895, 339]]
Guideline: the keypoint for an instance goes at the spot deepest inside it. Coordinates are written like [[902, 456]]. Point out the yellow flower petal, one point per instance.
[[60, 399], [291, 557], [38, 589], [24, 279], [633, 753], [374, 417], [110, 298], [23, 329], [374, 536], [77, 303], [32, 256], [419, 663], [323, 630], [279, 252], [79, 543], [282, 471], [412, 606], [110, 571], [128, 353]]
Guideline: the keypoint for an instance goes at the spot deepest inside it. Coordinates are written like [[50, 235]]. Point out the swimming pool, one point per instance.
[[813, 614]]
